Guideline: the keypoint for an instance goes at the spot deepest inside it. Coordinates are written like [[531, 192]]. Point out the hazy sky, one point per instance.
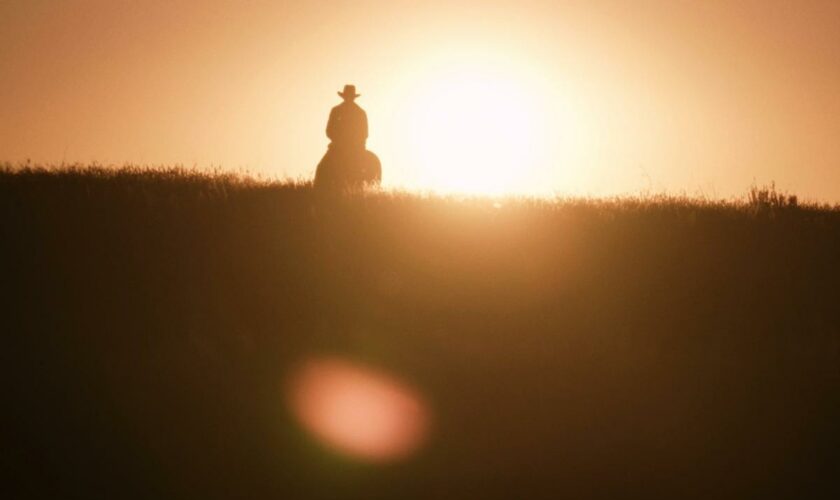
[[621, 96]]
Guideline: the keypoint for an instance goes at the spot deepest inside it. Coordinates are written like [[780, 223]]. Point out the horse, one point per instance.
[[348, 169]]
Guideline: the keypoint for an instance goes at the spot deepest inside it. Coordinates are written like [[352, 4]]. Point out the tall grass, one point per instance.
[[637, 347]]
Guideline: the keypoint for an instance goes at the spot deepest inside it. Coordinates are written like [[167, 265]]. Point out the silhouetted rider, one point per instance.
[[347, 162], [348, 125]]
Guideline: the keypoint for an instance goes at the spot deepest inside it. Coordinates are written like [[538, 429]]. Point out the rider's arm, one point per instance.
[[331, 125], [364, 125]]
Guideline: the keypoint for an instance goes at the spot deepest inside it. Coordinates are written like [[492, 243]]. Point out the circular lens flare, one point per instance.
[[358, 411]]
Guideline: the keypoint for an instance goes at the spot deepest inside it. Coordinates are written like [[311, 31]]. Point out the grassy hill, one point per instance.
[[579, 348]]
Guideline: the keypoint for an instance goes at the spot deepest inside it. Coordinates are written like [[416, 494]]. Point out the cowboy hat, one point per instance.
[[349, 91]]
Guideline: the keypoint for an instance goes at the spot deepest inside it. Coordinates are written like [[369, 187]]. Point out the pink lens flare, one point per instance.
[[358, 411]]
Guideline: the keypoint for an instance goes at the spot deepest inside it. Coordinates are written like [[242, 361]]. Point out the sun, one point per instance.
[[474, 129]]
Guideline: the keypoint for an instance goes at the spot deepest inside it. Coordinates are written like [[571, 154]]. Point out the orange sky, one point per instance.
[[693, 96]]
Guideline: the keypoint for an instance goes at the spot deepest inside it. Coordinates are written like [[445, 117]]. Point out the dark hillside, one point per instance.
[[578, 349]]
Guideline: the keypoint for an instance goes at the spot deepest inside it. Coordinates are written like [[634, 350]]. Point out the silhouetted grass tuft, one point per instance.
[[766, 198]]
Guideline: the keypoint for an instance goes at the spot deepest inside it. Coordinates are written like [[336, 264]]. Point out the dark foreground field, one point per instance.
[[580, 349]]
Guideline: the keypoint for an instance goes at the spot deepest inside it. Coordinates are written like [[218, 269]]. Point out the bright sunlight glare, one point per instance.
[[475, 129]]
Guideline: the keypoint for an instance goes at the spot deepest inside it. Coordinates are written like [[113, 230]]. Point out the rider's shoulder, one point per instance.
[[347, 107]]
